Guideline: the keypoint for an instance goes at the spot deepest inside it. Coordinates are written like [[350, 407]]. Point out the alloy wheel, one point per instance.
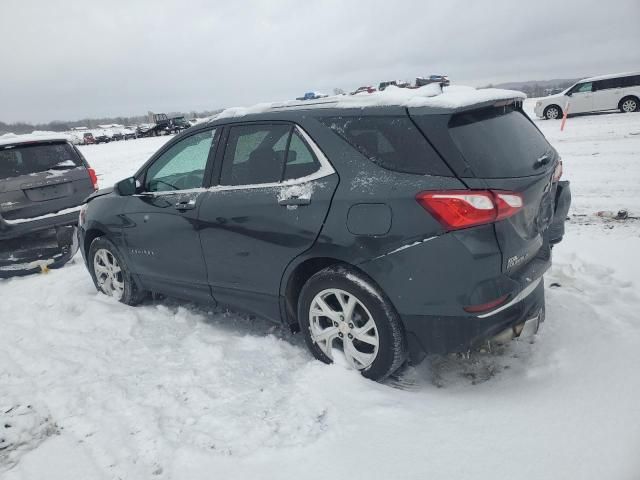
[[552, 113], [629, 105], [108, 274], [337, 316]]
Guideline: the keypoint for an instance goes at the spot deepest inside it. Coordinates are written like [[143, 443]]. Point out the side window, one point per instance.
[[393, 142], [300, 160], [584, 87], [254, 154], [182, 166]]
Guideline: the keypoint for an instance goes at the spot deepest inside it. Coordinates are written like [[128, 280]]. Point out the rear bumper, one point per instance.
[[27, 247], [442, 334]]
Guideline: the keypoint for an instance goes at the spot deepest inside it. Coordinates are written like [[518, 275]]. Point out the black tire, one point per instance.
[[392, 347], [132, 293], [552, 112], [629, 104]]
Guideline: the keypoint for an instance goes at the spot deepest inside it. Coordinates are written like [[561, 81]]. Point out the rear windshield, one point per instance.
[[27, 159], [499, 142], [393, 142]]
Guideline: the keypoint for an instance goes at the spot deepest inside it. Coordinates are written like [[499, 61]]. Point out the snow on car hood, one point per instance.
[[432, 95]]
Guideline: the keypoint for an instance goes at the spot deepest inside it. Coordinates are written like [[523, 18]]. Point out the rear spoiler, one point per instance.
[[517, 102]]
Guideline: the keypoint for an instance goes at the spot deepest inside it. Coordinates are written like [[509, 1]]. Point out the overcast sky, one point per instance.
[[63, 60]]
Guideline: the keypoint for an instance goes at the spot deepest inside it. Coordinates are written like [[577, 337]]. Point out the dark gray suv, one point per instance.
[[43, 182], [381, 232]]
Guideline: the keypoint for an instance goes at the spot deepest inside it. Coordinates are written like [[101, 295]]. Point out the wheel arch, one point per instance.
[[627, 97], [298, 275], [544, 112]]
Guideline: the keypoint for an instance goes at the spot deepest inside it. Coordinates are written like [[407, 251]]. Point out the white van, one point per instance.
[[606, 92]]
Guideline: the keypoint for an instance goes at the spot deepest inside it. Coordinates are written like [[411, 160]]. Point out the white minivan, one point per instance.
[[606, 92]]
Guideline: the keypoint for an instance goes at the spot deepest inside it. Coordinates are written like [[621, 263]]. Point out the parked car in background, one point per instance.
[[43, 182], [443, 80], [395, 83], [312, 96], [101, 137], [367, 89], [607, 92], [427, 254], [87, 138], [178, 124], [117, 135], [129, 133]]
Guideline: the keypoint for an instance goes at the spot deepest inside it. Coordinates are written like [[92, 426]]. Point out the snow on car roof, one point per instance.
[[432, 95], [11, 138], [607, 76]]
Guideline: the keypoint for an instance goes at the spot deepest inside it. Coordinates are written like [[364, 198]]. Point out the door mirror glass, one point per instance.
[[126, 187]]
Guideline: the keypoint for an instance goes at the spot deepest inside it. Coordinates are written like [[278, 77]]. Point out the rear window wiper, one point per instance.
[[65, 165]]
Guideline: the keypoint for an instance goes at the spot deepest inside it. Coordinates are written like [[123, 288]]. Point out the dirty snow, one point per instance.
[[169, 390]]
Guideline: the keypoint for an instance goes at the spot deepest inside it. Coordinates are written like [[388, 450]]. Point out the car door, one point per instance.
[[581, 99], [607, 93], [162, 219], [275, 188]]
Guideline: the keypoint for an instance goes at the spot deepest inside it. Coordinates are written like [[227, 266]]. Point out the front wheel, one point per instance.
[[552, 112], [110, 273], [341, 312]]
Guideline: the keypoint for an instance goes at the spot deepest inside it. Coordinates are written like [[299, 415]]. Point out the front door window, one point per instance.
[[181, 167]]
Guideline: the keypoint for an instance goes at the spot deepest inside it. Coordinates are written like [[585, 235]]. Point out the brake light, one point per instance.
[[456, 209], [557, 173], [486, 306], [93, 177]]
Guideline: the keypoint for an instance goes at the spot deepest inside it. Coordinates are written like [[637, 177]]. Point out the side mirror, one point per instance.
[[569, 94], [126, 187]]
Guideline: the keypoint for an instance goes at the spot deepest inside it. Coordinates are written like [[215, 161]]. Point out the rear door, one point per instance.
[[41, 178], [275, 188], [499, 148], [607, 93]]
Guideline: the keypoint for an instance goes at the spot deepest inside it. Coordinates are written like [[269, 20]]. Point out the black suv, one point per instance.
[[43, 182], [383, 232]]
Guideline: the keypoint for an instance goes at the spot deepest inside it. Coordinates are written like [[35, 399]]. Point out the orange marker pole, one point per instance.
[[564, 117]]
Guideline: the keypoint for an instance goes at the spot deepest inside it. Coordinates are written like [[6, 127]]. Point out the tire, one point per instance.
[[552, 112], [373, 319], [103, 253], [629, 104]]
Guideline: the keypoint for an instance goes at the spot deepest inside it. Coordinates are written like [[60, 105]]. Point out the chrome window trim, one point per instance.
[[325, 170]]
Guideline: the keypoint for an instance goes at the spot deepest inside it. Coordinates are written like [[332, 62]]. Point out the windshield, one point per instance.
[[27, 159]]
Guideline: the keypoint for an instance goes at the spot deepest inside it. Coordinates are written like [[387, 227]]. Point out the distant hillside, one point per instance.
[[539, 88], [62, 126]]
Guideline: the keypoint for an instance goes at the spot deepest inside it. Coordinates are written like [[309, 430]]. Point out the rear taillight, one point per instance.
[[456, 209], [557, 173], [486, 306], [93, 177]]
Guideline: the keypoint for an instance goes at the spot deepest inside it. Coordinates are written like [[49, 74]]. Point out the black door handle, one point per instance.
[[294, 201], [187, 205]]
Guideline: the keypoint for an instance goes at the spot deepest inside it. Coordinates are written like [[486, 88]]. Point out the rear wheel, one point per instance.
[[341, 312], [552, 112], [629, 104], [111, 274]]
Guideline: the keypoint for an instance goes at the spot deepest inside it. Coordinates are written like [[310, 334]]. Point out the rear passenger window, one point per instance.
[[254, 154], [393, 142], [301, 161]]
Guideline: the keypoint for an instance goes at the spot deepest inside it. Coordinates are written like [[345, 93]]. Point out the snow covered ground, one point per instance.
[[92, 389]]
